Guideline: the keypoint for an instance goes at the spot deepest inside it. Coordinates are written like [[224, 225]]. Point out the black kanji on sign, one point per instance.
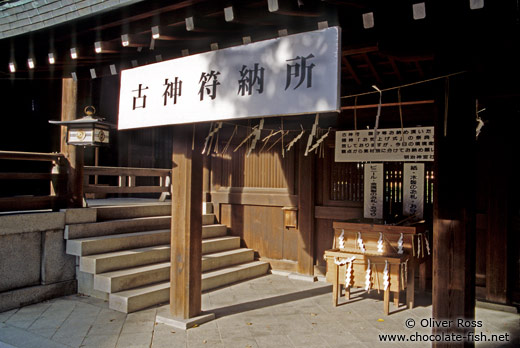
[[301, 70], [249, 78], [208, 84], [141, 99], [172, 90]]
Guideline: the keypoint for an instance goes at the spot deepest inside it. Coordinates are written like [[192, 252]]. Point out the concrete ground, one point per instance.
[[270, 311]]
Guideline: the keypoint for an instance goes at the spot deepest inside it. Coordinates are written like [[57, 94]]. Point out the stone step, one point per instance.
[[124, 241], [208, 219], [96, 229], [129, 301], [207, 208], [117, 260], [140, 298], [104, 228], [112, 261], [132, 278], [150, 274], [129, 278], [233, 274], [226, 258], [213, 245], [215, 230], [133, 211]]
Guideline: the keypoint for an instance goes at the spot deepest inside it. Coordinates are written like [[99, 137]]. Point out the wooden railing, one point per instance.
[[57, 181], [127, 182]]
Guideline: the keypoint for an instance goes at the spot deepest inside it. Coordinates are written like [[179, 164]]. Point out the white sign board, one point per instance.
[[373, 191], [413, 189], [290, 75], [390, 144]]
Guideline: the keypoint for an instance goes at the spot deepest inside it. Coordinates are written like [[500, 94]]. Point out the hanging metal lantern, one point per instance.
[[88, 130]]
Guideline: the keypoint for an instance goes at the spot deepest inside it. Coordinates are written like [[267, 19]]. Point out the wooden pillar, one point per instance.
[[186, 238], [454, 209], [73, 154], [499, 187], [306, 186]]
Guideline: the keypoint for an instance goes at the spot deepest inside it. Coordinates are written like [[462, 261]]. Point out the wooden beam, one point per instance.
[[419, 69], [359, 50], [372, 68], [30, 156], [372, 106], [266, 199], [306, 185], [453, 294], [350, 69], [208, 24], [395, 68], [338, 213], [29, 203], [186, 231]]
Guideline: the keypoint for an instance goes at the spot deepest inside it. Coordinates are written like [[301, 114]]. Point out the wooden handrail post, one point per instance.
[[73, 154], [59, 182]]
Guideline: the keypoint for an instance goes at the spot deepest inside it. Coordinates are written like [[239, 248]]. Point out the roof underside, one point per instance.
[[383, 43]]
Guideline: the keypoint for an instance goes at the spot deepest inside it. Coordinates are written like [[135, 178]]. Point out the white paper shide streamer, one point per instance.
[[380, 243], [386, 278], [341, 239], [400, 244], [360, 242], [427, 243], [348, 271], [368, 277]]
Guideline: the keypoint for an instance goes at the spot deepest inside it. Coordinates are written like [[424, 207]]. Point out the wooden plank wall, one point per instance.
[[335, 201], [248, 193], [262, 170]]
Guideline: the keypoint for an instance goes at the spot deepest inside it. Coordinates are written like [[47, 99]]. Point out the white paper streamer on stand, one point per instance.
[[427, 243], [360, 242], [400, 244], [340, 262], [348, 271], [341, 239], [368, 277], [419, 246], [380, 243], [405, 272], [386, 278]]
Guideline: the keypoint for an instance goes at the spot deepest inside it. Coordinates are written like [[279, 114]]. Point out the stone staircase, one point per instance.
[[124, 257]]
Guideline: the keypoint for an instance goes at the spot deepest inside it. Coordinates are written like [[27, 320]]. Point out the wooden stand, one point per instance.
[[370, 234], [336, 275]]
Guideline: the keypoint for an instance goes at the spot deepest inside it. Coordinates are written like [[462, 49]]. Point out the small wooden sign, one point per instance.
[[413, 189], [373, 192], [390, 144]]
